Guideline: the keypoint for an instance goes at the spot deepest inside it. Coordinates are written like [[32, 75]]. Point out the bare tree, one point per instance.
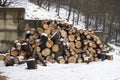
[[5, 3]]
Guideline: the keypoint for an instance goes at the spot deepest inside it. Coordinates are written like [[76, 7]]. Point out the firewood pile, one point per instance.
[[56, 42]]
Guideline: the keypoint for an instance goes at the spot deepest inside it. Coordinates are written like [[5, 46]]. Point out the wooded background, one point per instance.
[[101, 15]]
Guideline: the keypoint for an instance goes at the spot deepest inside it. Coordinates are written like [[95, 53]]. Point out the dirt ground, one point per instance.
[[3, 77]]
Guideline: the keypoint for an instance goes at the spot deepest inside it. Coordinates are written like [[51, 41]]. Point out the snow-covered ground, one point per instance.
[[101, 70], [32, 11]]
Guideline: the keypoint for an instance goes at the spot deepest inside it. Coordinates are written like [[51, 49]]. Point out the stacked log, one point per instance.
[[57, 42]]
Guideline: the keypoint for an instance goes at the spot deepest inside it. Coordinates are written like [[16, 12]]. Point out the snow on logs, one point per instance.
[[56, 42]]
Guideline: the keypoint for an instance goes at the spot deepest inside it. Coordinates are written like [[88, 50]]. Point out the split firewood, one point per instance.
[[63, 33], [71, 45]]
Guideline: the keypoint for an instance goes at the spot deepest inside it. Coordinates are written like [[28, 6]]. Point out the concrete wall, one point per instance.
[[11, 26]]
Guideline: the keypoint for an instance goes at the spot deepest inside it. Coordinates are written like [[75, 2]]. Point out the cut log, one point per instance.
[[98, 42], [8, 61], [102, 56], [70, 32], [31, 41], [101, 46], [71, 45], [32, 30], [45, 26], [81, 31], [18, 46], [87, 59], [49, 43], [38, 43], [61, 60], [109, 57], [85, 42], [20, 40], [96, 59], [98, 51], [78, 38], [92, 59], [22, 53], [85, 32], [67, 53], [79, 60], [72, 52], [91, 44], [95, 38], [38, 49], [46, 52], [47, 31], [72, 59], [78, 44], [71, 37], [16, 60], [31, 64], [88, 36], [2, 57], [40, 30], [55, 48], [39, 57], [52, 26], [36, 35], [50, 59], [14, 53], [77, 51], [74, 30], [92, 32]]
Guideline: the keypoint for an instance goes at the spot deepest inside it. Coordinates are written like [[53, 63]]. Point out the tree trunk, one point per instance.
[[70, 9]]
